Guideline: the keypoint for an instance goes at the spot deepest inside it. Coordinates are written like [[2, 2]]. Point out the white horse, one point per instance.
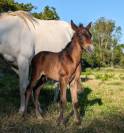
[[22, 36]]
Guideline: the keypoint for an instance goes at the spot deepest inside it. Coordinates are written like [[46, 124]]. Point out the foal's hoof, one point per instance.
[[39, 117], [24, 114], [59, 121], [62, 121], [40, 110]]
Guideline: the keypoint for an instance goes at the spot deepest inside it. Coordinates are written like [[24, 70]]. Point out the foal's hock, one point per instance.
[[62, 67]]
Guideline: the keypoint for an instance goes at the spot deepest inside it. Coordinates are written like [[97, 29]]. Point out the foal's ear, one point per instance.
[[74, 26], [89, 25]]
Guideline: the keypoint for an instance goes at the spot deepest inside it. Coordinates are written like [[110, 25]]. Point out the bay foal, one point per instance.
[[62, 67]]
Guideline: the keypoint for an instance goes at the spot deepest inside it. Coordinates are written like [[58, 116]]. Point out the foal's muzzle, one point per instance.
[[90, 49]]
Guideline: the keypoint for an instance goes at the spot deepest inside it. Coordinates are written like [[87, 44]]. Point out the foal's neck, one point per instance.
[[75, 50]]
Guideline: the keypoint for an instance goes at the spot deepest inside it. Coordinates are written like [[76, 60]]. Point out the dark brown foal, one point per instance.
[[62, 67]]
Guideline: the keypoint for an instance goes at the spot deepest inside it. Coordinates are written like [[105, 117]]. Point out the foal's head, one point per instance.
[[84, 36]]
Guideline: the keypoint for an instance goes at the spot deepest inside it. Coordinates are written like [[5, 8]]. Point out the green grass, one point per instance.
[[101, 106]]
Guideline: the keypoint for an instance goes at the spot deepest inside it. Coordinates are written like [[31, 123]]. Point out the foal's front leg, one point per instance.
[[74, 96], [63, 86]]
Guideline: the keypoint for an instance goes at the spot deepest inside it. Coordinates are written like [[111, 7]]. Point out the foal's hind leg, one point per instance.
[[28, 94], [37, 89], [34, 78]]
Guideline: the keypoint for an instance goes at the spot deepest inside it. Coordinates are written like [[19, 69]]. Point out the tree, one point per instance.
[[10, 5], [49, 13], [106, 36], [118, 58]]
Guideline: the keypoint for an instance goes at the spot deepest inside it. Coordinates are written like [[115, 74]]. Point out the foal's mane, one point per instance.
[[69, 47]]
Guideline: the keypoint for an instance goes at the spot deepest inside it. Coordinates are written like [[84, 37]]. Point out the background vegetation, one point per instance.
[[106, 35], [108, 50]]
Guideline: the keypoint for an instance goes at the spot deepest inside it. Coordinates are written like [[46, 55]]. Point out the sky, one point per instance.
[[84, 11]]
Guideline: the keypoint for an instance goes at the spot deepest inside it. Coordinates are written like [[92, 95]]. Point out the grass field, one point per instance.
[[101, 105]]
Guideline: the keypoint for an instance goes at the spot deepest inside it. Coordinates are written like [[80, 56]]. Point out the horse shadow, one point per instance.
[[47, 96], [83, 100]]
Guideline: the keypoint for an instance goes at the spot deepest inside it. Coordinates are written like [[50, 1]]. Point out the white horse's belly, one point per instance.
[[9, 58]]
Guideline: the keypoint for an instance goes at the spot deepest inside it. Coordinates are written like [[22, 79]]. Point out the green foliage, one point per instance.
[[108, 51], [11, 5], [49, 13]]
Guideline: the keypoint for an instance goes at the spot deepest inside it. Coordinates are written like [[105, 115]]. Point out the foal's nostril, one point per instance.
[[90, 48]]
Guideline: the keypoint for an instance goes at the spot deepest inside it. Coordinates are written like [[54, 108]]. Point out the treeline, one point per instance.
[[108, 51], [106, 35]]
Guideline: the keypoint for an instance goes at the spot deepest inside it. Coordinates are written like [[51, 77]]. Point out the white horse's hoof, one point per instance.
[[21, 110]]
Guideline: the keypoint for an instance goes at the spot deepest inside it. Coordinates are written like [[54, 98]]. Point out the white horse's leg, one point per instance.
[[15, 70], [23, 64]]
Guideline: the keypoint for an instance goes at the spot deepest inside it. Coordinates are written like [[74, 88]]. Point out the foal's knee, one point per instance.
[[63, 102], [76, 105]]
